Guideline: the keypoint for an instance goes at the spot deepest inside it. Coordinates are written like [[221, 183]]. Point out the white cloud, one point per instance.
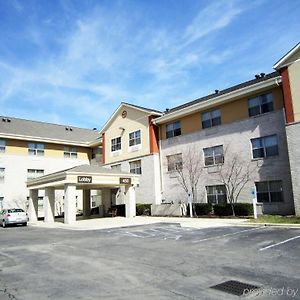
[[217, 15]]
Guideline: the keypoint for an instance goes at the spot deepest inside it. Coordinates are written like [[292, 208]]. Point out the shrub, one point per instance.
[[243, 209], [222, 209], [143, 209], [202, 208], [240, 209]]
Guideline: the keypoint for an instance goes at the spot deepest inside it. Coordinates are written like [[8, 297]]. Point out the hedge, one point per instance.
[[240, 209], [143, 209], [203, 208]]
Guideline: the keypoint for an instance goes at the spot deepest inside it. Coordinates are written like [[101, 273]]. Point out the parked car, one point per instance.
[[13, 216]]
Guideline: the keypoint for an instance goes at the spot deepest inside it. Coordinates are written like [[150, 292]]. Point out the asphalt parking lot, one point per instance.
[[164, 261]]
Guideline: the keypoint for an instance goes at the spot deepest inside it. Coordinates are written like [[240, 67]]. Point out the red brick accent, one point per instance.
[[103, 147], [287, 96], [153, 136]]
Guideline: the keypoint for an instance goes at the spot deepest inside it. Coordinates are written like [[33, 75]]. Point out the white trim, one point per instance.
[[217, 100], [280, 63]]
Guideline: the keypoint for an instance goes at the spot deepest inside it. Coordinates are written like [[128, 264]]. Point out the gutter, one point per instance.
[[217, 100]]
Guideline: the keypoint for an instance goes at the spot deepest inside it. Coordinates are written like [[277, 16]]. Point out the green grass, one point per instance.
[[277, 219]]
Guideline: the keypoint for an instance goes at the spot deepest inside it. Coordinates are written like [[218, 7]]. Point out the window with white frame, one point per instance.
[[36, 149], [269, 191], [264, 146], [1, 203], [173, 129], [2, 174], [213, 155], [135, 138], [116, 144], [174, 162], [2, 146], [211, 118], [70, 152], [135, 167], [260, 104], [216, 194], [34, 173]]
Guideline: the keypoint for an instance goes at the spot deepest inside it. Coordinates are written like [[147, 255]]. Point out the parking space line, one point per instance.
[[228, 234], [280, 243]]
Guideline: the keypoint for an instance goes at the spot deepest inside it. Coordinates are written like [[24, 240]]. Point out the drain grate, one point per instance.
[[235, 287]]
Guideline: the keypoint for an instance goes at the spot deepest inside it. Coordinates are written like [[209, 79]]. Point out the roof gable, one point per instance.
[[289, 58], [125, 105]]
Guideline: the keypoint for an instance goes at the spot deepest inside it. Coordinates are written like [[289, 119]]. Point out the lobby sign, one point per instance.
[[84, 179]]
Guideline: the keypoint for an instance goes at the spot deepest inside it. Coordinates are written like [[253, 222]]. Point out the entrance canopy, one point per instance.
[[84, 177]]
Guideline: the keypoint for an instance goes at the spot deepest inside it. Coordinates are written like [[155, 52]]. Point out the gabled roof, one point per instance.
[[46, 132], [283, 61], [229, 94], [148, 111]]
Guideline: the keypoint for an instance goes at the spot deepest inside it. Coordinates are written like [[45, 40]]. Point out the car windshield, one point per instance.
[[15, 210]]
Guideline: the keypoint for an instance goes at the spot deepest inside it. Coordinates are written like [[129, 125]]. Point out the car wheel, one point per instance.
[[25, 224], [3, 224]]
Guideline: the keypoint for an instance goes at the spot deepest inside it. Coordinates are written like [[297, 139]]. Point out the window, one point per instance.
[[260, 105], [2, 174], [173, 129], [134, 138], [40, 203], [116, 144], [211, 118], [269, 191], [97, 153], [36, 149], [135, 167], [34, 173], [174, 162], [216, 194], [213, 155], [264, 146], [2, 146], [1, 203], [70, 152]]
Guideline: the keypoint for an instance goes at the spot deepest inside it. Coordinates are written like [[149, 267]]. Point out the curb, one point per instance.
[[277, 225]]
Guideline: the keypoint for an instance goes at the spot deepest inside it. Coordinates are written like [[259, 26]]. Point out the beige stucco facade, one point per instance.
[[122, 127], [20, 147], [230, 112]]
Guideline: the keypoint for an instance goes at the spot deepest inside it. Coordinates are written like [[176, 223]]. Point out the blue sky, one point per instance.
[[73, 62]]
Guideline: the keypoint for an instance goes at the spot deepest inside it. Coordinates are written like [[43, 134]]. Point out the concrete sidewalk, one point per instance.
[[117, 222]]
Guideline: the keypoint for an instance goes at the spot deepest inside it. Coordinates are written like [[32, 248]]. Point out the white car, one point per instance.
[[13, 216]]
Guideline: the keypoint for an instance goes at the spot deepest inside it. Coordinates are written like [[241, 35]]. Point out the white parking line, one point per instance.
[[228, 234], [280, 243]]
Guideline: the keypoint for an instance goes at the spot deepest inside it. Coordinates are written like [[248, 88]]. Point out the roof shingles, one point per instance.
[[34, 129]]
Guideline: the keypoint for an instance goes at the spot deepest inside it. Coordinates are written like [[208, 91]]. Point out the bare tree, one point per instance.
[[21, 203], [188, 167], [234, 174]]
